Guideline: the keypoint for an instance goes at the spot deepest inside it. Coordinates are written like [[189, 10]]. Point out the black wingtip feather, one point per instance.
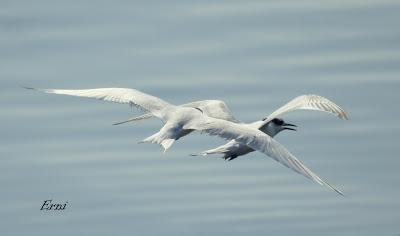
[[26, 87]]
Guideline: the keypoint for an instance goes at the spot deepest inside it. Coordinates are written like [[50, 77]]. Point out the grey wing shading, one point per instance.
[[309, 102], [214, 108], [260, 141], [132, 97]]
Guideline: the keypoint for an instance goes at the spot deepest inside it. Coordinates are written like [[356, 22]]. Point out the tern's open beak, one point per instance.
[[285, 126]]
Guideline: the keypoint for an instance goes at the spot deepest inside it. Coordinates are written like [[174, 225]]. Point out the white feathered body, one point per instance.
[[233, 149], [174, 128], [180, 121]]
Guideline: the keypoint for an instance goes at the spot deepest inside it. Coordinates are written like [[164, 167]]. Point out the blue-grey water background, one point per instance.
[[254, 55]]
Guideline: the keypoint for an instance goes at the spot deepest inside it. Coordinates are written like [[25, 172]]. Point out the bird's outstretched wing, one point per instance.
[[257, 140], [132, 97], [212, 108], [308, 102]]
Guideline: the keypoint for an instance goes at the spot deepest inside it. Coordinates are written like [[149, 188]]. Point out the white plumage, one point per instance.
[[211, 116], [308, 102], [234, 149]]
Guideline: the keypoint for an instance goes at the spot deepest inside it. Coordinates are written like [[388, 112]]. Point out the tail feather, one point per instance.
[[218, 150], [167, 143], [199, 154], [157, 138], [137, 118]]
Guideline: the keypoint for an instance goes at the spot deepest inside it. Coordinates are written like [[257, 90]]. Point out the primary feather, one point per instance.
[[132, 97], [308, 102], [258, 141]]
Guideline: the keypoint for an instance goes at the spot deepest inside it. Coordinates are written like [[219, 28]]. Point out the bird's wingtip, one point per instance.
[[341, 194], [345, 116], [26, 87], [334, 189]]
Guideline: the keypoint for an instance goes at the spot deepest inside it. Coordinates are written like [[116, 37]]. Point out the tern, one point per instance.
[[271, 125], [182, 120], [234, 149]]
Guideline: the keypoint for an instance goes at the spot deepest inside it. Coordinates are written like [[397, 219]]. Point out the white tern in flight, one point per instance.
[[182, 120]]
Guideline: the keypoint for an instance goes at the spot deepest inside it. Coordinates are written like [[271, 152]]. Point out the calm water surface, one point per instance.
[[255, 55]]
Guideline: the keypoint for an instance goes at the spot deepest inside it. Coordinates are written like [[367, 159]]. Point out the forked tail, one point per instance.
[[157, 138], [137, 118], [218, 150]]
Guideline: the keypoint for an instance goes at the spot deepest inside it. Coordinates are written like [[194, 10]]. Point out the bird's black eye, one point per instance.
[[277, 121]]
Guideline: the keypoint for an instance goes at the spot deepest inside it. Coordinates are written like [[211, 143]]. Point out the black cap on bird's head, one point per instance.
[[281, 123], [275, 126]]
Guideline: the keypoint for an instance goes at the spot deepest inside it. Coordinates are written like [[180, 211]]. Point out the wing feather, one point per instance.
[[260, 141], [132, 97], [308, 102], [214, 108]]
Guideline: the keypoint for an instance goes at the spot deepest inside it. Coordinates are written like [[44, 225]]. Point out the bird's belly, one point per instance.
[[175, 131], [240, 149]]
